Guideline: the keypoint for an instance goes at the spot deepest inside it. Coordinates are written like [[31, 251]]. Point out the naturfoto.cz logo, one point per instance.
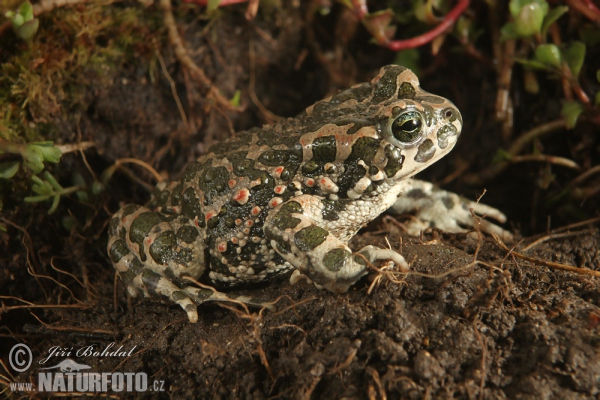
[[71, 376]]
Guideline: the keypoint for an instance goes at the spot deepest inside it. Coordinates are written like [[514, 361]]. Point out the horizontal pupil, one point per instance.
[[410, 125]]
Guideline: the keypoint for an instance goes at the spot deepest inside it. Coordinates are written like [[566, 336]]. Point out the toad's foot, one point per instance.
[[151, 283], [445, 210], [371, 254]]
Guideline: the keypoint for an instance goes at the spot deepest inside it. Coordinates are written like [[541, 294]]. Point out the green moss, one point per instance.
[[76, 49]]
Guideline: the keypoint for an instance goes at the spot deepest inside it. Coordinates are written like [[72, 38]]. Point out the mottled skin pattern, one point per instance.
[[291, 195]]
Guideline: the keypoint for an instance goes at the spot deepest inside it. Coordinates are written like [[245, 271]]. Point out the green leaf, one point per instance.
[[54, 204], [379, 25], [529, 21], [552, 17], [33, 158], [8, 169], [235, 101], [212, 5], [35, 199], [515, 6], [28, 30], [16, 19], [597, 99], [598, 75], [36, 153], [52, 181], [97, 188], [548, 54], [50, 152], [570, 112], [26, 11], [574, 55], [23, 21]]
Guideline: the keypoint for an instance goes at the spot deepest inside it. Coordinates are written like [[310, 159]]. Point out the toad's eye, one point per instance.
[[407, 127]]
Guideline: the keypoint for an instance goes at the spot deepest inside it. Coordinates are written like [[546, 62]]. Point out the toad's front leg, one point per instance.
[[434, 207], [297, 231]]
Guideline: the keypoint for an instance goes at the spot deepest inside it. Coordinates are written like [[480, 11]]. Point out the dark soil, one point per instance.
[[471, 320]]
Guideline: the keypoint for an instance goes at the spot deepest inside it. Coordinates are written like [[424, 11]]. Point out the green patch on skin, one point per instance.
[[162, 247], [204, 294], [425, 152], [406, 91], [428, 114], [283, 247], [118, 250], [242, 166], [275, 157], [187, 234], [335, 259], [178, 295], [229, 222], [283, 219], [191, 171], [160, 200], [395, 160], [151, 280], [212, 223], [312, 168], [214, 183], [127, 277], [353, 173], [129, 209], [448, 202], [364, 149], [387, 84], [141, 226], [135, 268], [290, 159], [444, 133], [416, 194], [309, 238], [176, 195], [332, 209], [190, 205]]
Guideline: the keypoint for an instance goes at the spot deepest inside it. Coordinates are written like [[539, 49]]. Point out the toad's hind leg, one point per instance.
[[205, 294], [188, 297], [154, 252]]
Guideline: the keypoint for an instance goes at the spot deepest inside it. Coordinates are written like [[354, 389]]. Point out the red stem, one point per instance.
[[590, 4], [587, 8], [427, 37]]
